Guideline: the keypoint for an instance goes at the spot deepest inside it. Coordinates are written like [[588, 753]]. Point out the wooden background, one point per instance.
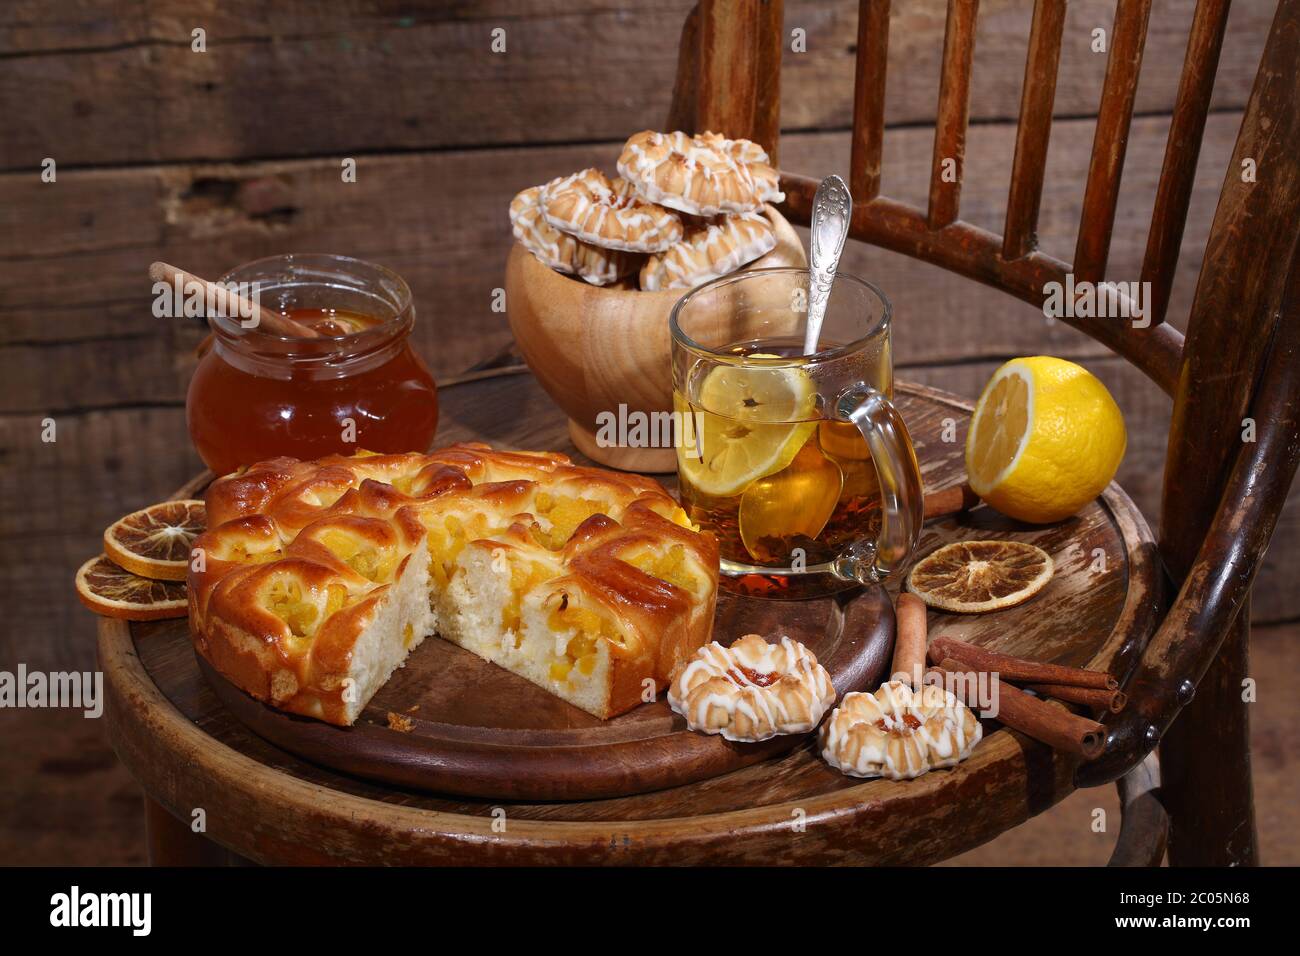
[[211, 159]]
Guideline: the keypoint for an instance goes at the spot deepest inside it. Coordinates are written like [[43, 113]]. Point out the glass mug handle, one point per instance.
[[902, 505]]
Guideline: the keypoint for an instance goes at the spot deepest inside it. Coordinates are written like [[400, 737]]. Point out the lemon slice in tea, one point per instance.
[[752, 422], [780, 509]]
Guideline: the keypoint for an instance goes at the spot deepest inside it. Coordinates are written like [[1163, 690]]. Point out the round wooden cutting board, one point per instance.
[[480, 731]]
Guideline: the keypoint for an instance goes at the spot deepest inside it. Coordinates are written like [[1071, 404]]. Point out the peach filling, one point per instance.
[[524, 576], [370, 562], [581, 651], [445, 545], [240, 553], [564, 514], [670, 567], [286, 601]]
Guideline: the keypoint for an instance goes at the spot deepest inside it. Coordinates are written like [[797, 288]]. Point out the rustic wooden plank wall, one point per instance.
[[210, 159]]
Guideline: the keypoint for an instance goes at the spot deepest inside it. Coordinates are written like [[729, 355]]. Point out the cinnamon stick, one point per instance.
[[1050, 723], [949, 501], [1111, 700], [1017, 668], [909, 639]]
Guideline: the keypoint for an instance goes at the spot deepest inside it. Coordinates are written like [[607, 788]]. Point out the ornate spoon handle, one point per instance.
[[832, 208]]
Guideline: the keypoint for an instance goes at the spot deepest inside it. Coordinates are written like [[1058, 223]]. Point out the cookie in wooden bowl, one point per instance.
[[600, 261]]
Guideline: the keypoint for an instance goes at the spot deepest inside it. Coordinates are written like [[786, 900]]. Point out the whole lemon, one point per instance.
[[1045, 439]]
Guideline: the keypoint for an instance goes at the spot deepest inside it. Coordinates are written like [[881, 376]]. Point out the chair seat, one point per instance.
[[269, 806]]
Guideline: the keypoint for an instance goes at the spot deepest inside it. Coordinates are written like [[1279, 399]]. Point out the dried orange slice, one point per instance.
[[975, 576], [107, 589], [155, 541]]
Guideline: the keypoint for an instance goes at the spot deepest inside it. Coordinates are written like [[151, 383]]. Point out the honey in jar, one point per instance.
[[358, 385]]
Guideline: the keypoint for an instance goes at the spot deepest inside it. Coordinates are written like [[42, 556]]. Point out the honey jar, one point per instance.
[[358, 385]]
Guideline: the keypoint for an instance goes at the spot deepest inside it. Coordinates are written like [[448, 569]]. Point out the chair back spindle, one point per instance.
[[1182, 150], [1034, 129], [869, 100], [1110, 141], [953, 113]]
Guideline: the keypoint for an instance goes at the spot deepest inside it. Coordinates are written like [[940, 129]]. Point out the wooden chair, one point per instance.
[[1222, 493]]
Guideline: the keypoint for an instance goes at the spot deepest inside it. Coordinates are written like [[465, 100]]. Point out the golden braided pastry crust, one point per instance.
[[898, 732], [752, 690], [560, 251], [608, 214], [304, 563]]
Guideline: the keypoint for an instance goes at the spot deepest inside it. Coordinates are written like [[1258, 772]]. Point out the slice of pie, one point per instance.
[[316, 579]]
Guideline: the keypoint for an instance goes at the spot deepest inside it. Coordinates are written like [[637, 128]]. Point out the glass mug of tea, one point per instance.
[[800, 465]]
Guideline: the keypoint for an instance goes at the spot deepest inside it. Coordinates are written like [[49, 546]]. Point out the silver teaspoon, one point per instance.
[[832, 208]]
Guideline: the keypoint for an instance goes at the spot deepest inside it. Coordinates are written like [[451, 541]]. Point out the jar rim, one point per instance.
[[317, 270]]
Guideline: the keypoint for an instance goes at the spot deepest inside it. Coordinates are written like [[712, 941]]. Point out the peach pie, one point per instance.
[[316, 579]]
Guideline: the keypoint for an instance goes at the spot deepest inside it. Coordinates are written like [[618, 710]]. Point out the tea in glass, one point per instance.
[[772, 459]]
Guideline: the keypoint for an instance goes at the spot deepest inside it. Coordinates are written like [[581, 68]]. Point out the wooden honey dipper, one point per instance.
[[227, 302]]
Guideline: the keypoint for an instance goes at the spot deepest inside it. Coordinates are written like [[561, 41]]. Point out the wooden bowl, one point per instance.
[[595, 349]]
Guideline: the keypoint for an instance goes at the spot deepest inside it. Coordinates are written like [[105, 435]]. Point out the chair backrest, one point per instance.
[[1222, 495]]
